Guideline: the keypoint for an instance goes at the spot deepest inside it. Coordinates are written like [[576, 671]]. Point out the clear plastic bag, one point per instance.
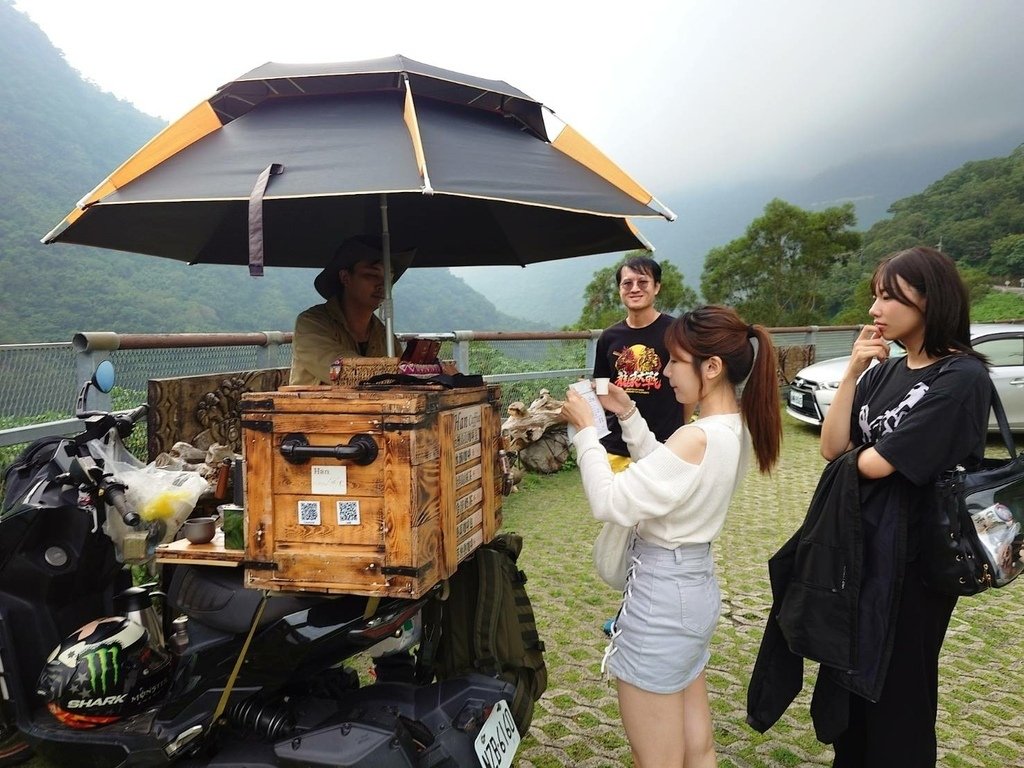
[[161, 497]]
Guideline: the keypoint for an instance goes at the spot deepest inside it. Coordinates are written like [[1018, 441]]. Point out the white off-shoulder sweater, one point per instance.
[[671, 501]]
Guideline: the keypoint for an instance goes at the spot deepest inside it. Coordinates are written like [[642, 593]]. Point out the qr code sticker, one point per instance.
[[348, 513], [309, 513]]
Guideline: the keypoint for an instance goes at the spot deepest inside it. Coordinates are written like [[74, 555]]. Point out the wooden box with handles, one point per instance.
[[370, 491]]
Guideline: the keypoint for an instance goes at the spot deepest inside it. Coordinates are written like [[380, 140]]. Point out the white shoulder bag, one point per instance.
[[611, 553]]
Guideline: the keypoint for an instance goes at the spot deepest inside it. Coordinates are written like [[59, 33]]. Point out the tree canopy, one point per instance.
[[603, 307], [775, 273]]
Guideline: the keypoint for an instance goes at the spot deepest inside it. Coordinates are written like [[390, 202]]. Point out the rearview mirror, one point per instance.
[[103, 378]]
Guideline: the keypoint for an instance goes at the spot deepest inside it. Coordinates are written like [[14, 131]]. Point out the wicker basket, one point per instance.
[[349, 371]]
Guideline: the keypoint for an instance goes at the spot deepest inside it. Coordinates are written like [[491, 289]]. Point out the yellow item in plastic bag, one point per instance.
[[168, 496], [166, 504]]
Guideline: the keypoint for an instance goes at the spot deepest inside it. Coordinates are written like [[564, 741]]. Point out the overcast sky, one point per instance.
[[678, 92]]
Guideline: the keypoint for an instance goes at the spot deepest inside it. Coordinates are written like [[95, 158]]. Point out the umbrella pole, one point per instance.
[[388, 307]]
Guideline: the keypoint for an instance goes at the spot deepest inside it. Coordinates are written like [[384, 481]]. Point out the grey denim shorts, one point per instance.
[[670, 606]]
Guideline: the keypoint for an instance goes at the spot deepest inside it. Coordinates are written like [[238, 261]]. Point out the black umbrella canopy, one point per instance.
[[275, 79], [466, 171]]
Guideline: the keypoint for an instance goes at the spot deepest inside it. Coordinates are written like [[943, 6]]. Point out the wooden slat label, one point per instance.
[[467, 418], [470, 436], [466, 425], [470, 544], [467, 476], [466, 438], [468, 453], [467, 525], [464, 504]]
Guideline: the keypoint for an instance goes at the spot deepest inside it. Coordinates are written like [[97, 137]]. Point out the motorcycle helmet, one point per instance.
[[103, 672]]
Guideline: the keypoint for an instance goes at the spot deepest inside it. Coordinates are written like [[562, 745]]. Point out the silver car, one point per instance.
[[811, 392]]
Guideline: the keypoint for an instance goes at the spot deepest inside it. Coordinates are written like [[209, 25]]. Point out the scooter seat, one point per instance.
[[216, 597]]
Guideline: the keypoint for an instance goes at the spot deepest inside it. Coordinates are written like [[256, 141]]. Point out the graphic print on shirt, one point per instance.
[[637, 368], [888, 420]]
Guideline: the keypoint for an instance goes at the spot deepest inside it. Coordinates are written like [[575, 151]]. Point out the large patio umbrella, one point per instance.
[[284, 163]]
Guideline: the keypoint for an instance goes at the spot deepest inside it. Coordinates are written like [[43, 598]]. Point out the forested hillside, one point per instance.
[[711, 216], [975, 214], [61, 136], [796, 267], [971, 211]]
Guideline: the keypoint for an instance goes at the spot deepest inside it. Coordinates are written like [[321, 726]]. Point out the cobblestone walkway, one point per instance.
[[577, 723]]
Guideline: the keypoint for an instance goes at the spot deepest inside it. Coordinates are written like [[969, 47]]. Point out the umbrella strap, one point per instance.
[[256, 218]]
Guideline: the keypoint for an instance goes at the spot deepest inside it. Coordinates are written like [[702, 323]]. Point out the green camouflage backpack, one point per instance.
[[486, 625]]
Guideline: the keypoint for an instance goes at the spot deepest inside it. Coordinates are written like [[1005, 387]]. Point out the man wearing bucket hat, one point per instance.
[[344, 326]]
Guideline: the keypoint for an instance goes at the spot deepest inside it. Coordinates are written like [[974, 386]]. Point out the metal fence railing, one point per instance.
[[39, 383]]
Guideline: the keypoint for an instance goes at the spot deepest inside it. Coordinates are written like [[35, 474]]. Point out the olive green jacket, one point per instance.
[[322, 336]]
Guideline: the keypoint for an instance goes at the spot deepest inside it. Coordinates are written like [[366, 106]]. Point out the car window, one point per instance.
[[1002, 351]]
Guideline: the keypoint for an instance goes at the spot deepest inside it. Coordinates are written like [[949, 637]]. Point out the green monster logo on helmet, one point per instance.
[[102, 663]]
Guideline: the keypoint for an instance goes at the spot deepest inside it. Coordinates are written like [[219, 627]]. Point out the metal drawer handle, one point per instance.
[[361, 449]]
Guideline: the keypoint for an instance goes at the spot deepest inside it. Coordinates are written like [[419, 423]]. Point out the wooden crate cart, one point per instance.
[[377, 492]]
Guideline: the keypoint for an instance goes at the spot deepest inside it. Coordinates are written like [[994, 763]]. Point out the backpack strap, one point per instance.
[[426, 655], [488, 607]]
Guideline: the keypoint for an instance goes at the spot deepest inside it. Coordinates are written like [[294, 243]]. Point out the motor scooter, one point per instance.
[[194, 669]]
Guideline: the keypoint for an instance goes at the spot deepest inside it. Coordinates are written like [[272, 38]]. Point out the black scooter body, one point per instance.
[[292, 702]]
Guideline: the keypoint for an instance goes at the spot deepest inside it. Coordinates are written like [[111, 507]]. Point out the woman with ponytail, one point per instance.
[[677, 494]]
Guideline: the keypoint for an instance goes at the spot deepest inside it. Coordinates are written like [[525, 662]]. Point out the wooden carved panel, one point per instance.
[[203, 409]]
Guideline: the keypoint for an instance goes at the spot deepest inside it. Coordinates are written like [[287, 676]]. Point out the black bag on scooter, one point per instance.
[[31, 467]]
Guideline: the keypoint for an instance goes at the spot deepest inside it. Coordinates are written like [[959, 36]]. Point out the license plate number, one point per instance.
[[498, 740], [796, 398]]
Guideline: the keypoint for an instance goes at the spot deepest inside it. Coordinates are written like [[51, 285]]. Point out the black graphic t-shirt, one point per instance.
[[634, 359], [922, 422]]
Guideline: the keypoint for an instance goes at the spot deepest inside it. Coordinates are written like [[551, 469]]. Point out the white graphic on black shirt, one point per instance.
[[888, 420]]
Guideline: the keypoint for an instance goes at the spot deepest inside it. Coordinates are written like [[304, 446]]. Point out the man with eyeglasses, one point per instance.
[[632, 354]]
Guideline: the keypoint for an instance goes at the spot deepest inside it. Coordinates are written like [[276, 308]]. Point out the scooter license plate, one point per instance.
[[498, 740]]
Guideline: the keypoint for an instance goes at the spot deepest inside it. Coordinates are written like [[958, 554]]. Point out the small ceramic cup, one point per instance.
[[200, 530]]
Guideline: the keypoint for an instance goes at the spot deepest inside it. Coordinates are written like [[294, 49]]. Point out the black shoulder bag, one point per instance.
[[975, 537]]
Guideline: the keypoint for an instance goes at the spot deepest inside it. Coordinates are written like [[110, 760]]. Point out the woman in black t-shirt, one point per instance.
[[918, 421]]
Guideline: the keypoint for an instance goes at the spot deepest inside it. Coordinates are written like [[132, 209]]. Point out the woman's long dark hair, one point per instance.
[[947, 303], [717, 331]]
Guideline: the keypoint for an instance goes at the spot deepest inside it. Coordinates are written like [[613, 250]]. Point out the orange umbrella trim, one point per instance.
[[200, 122], [572, 143]]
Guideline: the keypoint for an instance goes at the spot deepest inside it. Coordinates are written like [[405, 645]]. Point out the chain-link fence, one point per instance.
[[36, 380]]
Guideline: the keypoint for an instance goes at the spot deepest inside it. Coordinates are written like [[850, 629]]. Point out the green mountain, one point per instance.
[[61, 136], [974, 213]]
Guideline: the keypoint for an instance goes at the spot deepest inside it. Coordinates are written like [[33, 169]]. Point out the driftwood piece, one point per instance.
[[791, 359], [537, 434], [528, 425]]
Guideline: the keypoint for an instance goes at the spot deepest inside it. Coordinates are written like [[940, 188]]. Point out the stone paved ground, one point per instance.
[[577, 724]]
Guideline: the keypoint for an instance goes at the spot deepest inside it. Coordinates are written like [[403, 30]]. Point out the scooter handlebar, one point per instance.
[[113, 495], [126, 421]]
